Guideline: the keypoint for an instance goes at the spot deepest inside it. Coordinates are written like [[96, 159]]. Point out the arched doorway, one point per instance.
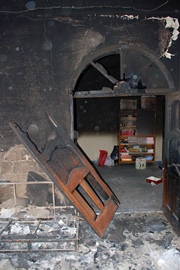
[[106, 77]]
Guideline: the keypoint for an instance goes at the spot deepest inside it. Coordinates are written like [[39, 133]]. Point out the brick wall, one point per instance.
[[14, 167]]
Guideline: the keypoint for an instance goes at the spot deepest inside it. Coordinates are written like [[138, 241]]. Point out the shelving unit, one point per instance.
[[136, 136], [131, 147]]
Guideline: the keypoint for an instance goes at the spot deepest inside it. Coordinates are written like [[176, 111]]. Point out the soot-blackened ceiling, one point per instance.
[[124, 6]]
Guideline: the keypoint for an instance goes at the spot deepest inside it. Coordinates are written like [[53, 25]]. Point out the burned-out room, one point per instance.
[[90, 131]]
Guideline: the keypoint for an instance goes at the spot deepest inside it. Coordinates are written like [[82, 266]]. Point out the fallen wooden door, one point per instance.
[[71, 171], [171, 200]]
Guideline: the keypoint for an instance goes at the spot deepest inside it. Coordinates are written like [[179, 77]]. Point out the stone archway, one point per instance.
[[144, 61], [133, 62]]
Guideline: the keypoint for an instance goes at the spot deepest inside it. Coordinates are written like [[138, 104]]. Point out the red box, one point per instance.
[[153, 179]]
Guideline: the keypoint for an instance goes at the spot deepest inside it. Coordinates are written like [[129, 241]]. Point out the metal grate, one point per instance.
[[59, 231]]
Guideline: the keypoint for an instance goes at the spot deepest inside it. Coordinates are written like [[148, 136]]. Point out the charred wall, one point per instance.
[[42, 49]]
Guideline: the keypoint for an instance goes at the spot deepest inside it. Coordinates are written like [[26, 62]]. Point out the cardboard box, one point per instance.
[[140, 163], [153, 179]]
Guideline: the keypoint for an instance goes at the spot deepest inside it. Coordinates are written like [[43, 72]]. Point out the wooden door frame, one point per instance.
[[172, 218]]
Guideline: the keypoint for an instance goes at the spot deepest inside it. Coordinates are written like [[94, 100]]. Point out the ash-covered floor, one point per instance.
[[138, 238], [139, 241]]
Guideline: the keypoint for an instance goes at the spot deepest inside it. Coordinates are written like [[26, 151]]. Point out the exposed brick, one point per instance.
[[17, 152], [33, 165], [21, 167], [21, 190], [14, 177], [6, 192], [24, 166], [6, 167], [14, 167]]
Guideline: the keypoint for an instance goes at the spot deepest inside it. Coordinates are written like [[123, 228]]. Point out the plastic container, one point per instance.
[[149, 158]]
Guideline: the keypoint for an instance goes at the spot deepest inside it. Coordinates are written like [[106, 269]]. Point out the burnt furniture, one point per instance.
[[66, 165]]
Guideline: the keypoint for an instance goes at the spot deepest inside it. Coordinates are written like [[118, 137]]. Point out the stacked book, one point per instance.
[[132, 139], [150, 140], [126, 157]]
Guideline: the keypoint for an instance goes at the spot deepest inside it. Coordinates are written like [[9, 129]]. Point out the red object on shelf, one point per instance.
[[123, 150], [155, 180], [127, 132], [102, 157]]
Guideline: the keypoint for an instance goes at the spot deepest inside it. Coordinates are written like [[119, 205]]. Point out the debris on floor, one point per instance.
[[29, 234], [133, 241], [154, 180]]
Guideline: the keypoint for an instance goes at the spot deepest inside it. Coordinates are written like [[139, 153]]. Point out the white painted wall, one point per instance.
[[91, 143]]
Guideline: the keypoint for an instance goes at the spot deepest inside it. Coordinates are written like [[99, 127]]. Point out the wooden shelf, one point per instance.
[[128, 123], [140, 153], [133, 161], [131, 144], [139, 144]]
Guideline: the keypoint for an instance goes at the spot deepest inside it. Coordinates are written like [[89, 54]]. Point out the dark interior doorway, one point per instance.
[[98, 117], [97, 93]]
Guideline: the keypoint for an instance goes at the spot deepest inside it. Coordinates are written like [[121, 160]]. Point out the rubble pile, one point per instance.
[[132, 241]]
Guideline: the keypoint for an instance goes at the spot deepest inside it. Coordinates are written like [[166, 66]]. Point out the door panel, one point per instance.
[[65, 164], [172, 168]]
